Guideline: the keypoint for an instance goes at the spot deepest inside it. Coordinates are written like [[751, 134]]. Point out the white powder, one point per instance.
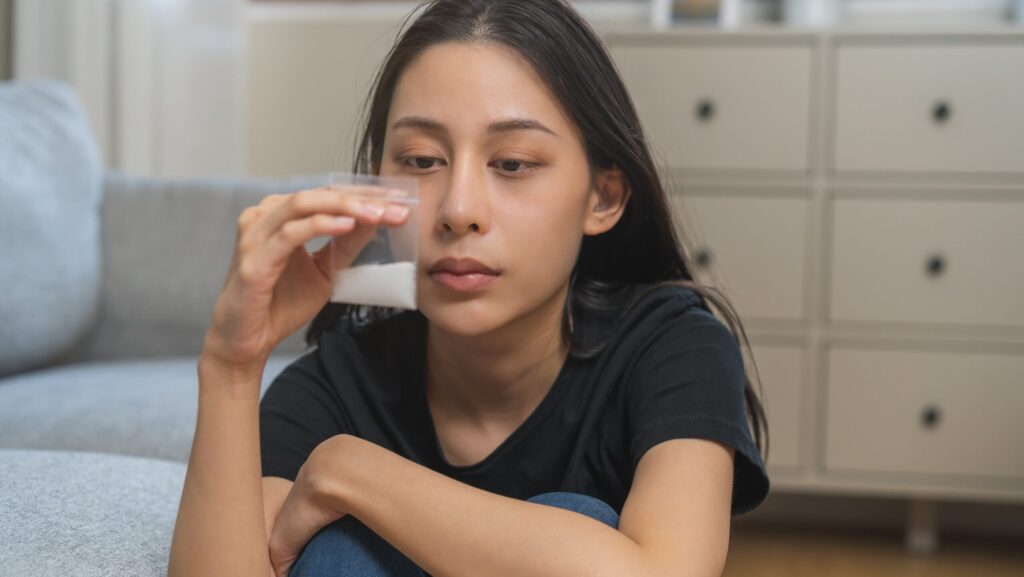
[[388, 285]]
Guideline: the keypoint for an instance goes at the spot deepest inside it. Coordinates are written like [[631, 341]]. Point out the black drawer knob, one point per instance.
[[931, 416], [705, 110], [935, 265], [941, 111], [703, 257]]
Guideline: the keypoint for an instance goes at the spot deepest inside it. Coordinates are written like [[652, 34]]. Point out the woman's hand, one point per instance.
[[312, 504], [273, 284]]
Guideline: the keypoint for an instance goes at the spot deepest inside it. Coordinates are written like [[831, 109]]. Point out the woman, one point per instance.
[[562, 403]]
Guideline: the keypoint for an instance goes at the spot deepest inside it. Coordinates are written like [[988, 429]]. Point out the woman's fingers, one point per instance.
[[346, 248], [359, 202], [273, 285], [294, 233], [268, 233]]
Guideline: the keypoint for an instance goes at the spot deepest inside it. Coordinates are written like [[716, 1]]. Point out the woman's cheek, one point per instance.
[[552, 240]]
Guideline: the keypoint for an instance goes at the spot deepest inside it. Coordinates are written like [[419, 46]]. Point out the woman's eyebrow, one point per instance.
[[430, 125]]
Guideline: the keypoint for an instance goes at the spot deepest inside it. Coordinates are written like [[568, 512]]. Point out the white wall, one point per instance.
[[306, 84], [203, 87], [180, 90], [161, 80], [69, 40], [309, 70]]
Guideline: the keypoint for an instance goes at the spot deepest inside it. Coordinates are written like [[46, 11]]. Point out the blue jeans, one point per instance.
[[348, 548]]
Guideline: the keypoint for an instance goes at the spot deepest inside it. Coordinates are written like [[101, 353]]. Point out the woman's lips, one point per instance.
[[463, 282]]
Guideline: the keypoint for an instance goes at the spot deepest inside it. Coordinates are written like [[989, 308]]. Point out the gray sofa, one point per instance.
[[108, 285]]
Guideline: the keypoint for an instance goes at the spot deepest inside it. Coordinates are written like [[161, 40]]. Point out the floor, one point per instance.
[[764, 551]]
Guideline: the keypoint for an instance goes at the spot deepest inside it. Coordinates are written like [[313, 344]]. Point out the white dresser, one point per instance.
[[860, 197]]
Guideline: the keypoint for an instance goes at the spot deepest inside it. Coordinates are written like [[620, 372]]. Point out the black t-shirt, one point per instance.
[[670, 369]]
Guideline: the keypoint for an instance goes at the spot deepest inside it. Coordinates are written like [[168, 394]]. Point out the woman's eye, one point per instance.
[[420, 162], [515, 166], [508, 165]]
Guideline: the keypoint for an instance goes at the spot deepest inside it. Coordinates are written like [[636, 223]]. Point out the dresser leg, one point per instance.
[[922, 537]]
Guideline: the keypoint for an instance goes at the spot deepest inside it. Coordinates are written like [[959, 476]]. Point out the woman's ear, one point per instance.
[[606, 201]]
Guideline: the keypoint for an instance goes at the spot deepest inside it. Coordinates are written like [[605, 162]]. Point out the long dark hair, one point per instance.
[[643, 247]]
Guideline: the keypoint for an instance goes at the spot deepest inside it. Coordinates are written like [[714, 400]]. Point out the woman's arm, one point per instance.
[[220, 530], [272, 288], [675, 522]]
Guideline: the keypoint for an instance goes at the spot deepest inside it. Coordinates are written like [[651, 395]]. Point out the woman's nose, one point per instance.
[[463, 207]]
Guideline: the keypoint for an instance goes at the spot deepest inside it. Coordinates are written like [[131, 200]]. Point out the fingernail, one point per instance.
[[397, 211], [374, 210]]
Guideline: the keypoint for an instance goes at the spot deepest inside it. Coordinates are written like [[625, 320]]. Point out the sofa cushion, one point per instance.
[[50, 196], [167, 246], [86, 514], [145, 408]]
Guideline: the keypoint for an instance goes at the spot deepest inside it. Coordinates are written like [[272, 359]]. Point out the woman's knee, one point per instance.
[[580, 503], [348, 548]]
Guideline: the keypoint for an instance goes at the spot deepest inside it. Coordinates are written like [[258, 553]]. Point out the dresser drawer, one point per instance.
[[750, 247], [954, 413], [780, 369], [711, 107], [928, 261], [931, 108]]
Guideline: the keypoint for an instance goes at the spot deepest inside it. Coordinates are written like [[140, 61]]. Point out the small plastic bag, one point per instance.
[[384, 272]]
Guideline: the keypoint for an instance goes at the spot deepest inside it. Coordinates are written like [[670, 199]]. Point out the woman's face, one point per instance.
[[503, 179]]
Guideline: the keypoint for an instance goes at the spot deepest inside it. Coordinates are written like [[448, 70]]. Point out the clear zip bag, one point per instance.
[[384, 272]]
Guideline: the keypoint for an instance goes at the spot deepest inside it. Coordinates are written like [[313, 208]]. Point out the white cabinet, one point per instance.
[[859, 196], [779, 367], [954, 414], [722, 106], [936, 107], [928, 261], [753, 247]]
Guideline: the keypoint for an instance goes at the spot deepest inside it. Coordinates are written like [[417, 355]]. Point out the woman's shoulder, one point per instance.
[[680, 294], [672, 315], [655, 306], [635, 317]]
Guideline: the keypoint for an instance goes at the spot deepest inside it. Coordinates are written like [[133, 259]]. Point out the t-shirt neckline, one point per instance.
[[542, 409]]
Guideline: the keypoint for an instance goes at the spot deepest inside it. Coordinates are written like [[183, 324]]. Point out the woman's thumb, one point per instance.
[[323, 259]]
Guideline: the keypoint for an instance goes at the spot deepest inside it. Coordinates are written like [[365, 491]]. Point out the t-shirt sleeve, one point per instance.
[[689, 383], [299, 411]]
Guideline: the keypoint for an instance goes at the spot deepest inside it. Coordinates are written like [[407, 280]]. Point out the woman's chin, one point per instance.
[[467, 318]]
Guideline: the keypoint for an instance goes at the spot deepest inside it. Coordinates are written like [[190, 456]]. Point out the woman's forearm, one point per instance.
[[451, 529], [220, 529]]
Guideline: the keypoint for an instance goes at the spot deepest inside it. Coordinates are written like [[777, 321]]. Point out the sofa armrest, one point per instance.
[[166, 246], [86, 514]]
